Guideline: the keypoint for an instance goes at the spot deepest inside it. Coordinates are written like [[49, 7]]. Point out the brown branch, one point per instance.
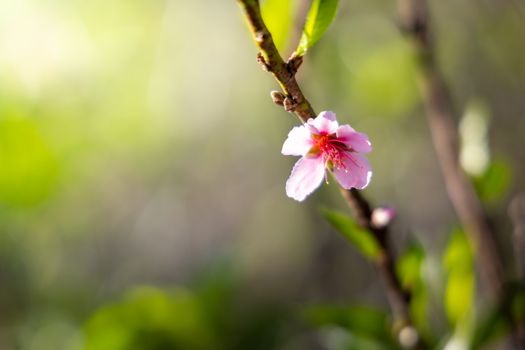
[[440, 114], [398, 297], [273, 62], [294, 101], [443, 127]]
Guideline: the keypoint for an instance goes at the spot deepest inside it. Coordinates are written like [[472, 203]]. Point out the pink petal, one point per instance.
[[325, 122], [307, 174], [310, 125], [353, 139], [357, 173], [298, 142]]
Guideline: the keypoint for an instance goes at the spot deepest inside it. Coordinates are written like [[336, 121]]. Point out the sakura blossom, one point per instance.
[[325, 146]]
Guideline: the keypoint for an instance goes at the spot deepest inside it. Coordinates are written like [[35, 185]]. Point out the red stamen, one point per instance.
[[333, 151]]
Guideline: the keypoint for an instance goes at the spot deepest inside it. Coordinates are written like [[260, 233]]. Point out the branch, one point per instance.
[[294, 101], [272, 61], [398, 297], [440, 114]]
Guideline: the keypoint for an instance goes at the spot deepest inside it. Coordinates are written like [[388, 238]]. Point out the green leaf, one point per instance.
[[459, 292], [458, 257], [362, 321], [458, 296], [361, 238], [319, 18], [151, 318], [409, 265], [359, 343], [410, 271], [494, 182], [278, 16]]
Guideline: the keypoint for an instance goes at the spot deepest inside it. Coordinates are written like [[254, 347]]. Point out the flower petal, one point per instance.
[[325, 122], [298, 142], [353, 139], [307, 174], [357, 173]]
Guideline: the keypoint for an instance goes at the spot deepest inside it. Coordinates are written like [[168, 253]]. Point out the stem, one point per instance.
[[273, 60], [284, 73], [398, 297]]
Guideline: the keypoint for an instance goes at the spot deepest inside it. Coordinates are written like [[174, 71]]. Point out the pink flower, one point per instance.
[[324, 145]]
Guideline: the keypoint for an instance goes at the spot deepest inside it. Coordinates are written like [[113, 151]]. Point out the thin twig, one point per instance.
[[284, 73], [398, 297], [272, 60]]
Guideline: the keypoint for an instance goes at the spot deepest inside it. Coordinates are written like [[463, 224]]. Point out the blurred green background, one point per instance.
[[142, 201]]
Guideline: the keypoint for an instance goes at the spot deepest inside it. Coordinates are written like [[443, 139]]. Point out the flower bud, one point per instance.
[[277, 97], [383, 216], [408, 337]]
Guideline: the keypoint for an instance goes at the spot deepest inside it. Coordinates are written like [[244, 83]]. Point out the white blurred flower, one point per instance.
[[473, 128]]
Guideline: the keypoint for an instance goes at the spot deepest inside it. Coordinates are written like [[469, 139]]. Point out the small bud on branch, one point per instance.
[[277, 97], [262, 62], [289, 104], [294, 63]]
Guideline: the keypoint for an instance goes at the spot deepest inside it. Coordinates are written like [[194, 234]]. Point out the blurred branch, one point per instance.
[[440, 114], [517, 214], [294, 101]]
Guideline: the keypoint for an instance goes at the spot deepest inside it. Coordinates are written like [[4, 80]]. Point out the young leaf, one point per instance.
[[362, 239], [494, 182], [409, 265], [410, 271], [278, 16], [459, 293], [320, 15]]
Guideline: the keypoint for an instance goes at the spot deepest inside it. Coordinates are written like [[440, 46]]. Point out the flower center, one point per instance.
[[333, 151]]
